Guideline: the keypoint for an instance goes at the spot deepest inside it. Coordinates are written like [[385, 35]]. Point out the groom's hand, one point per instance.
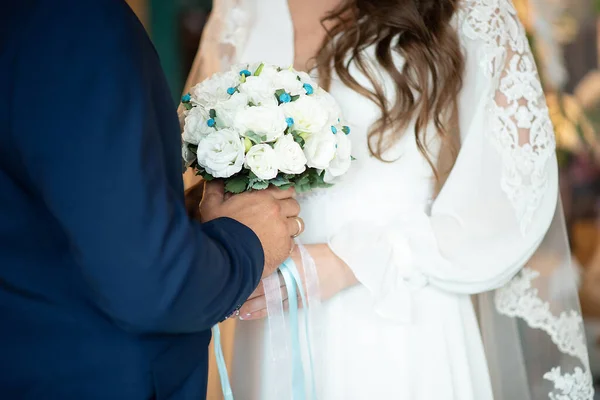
[[270, 213], [193, 197]]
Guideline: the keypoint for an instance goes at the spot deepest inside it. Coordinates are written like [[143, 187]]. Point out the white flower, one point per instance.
[[214, 89], [319, 149], [306, 78], [259, 90], [268, 121], [288, 81], [342, 159], [221, 153], [308, 113], [227, 110], [290, 155], [262, 161], [195, 126], [325, 100]]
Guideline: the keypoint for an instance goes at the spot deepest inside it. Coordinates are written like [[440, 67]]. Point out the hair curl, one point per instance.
[[427, 83]]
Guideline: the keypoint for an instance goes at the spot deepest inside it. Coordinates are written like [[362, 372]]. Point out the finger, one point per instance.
[[214, 193], [193, 197], [281, 194], [289, 207], [295, 226], [259, 291], [257, 315], [259, 303]]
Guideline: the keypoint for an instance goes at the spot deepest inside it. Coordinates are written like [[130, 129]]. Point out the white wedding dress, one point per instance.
[[409, 330]]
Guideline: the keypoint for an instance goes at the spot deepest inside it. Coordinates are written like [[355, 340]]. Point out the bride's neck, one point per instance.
[[308, 31]]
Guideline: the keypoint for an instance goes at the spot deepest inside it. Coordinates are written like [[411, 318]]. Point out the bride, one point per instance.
[[453, 193]]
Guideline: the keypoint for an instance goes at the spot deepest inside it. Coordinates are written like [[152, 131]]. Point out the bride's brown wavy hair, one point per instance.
[[427, 84]]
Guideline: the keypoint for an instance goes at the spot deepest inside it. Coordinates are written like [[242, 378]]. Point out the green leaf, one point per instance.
[[187, 106], [302, 188], [243, 78], [352, 158], [279, 181], [259, 69], [255, 138], [212, 113], [260, 185], [296, 97], [303, 179], [279, 92], [298, 139], [251, 104], [236, 184]]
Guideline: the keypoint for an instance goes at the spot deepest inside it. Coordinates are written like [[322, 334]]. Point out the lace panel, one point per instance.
[[520, 299], [521, 127]]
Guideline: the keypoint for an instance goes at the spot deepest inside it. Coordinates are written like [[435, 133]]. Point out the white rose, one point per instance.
[[268, 121], [306, 78], [221, 153], [259, 90], [214, 89], [195, 126], [308, 114], [319, 149], [262, 161], [342, 159], [227, 110], [328, 103], [288, 81], [290, 155]]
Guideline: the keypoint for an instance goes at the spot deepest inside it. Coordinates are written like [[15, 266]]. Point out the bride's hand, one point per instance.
[[334, 276]]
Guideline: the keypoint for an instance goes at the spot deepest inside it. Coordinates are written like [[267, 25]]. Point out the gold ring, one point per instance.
[[300, 227]]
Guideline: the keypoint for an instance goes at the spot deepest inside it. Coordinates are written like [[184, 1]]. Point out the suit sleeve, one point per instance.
[[91, 141]]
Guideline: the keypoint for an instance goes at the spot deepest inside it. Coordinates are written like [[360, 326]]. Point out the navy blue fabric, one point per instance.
[[107, 289]]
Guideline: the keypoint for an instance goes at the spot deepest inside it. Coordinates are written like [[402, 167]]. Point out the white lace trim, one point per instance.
[[520, 299], [521, 126], [236, 21]]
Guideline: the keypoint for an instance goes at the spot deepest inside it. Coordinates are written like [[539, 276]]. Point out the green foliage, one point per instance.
[[237, 184]]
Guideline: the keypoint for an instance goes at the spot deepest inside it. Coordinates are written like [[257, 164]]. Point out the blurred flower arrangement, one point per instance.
[[550, 25]]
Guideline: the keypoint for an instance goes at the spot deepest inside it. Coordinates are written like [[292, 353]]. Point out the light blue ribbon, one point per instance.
[[222, 367], [292, 280], [294, 286]]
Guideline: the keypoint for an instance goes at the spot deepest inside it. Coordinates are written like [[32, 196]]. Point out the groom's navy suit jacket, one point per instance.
[[107, 290]]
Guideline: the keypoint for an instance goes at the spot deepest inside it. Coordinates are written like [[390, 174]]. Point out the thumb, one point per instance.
[[214, 194]]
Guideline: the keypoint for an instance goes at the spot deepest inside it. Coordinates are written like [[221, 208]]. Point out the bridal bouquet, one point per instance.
[[261, 125]]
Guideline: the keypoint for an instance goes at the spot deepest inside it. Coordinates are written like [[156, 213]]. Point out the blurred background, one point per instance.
[[565, 37]]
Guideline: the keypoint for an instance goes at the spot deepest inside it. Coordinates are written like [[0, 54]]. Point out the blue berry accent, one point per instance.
[[285, 98], [308, 88], [333, 129], [186, 98], [245, 72], [346, 130], [211, 122], [289, 121], [231, 91]]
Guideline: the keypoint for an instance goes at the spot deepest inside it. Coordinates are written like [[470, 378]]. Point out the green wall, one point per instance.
[[164, 27]]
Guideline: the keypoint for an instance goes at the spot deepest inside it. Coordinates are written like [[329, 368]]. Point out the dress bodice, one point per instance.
[[371, 186]]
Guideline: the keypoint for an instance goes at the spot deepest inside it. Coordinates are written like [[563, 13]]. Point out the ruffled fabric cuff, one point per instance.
[[384, 261]]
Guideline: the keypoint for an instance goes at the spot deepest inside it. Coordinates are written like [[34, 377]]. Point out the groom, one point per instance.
[[108, 290]]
